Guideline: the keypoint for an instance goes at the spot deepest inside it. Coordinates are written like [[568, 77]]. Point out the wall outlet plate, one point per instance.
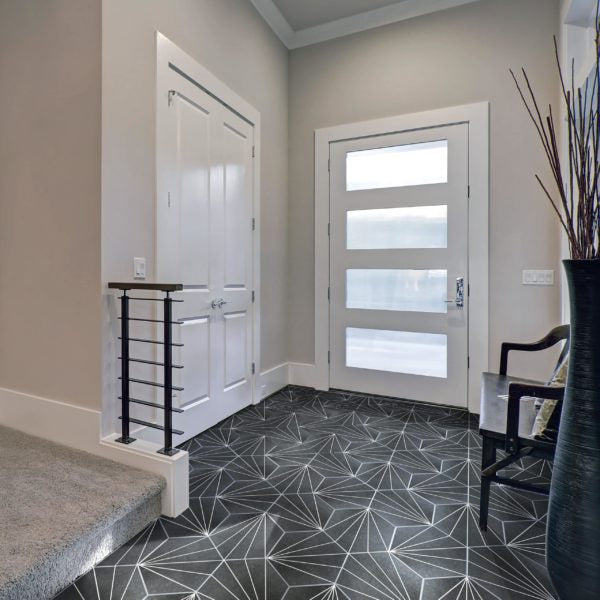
[[538, 277], [139, 268]]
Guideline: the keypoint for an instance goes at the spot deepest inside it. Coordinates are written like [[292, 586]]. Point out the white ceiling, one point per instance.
[[301, 14], [303, 22]]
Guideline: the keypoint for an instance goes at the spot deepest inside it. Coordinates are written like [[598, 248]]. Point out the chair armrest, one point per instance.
[[516, 391], [558, 334]]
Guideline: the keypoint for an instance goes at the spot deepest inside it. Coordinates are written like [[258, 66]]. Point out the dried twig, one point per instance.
[[576, 199]]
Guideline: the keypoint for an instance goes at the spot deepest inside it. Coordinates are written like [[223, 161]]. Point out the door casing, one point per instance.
[[477, 118]]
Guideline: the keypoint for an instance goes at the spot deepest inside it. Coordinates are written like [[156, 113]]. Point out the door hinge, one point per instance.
[[253, 368], [253, 296], [171, 95], [169, 199], [468, 362], [468, 289], [329, 229], [468, 191], [253, 151], [328, 356], [253, 224], [328, 293], [329, 165]]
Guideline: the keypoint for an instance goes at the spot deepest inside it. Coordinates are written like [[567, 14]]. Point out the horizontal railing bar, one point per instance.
[[152, 342], [153, 425], [153, 320], [153, 384], [138, 285], [154, 404], [154, 299], [151, 362]]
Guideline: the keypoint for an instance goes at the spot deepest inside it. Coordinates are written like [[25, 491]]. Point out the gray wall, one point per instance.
[[50, 199], [230, 39], [50, 77], [454, 57]]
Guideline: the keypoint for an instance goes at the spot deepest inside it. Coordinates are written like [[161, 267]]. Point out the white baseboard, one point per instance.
[[272, 380], [303, 374], [79, 428]]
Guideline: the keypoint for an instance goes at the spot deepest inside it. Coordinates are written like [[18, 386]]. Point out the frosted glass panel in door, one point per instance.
[[395, 289], [397, 351], [404, 227], [397, 166]]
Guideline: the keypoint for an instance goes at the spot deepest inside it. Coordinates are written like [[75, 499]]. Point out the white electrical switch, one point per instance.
[[538, 277], [139, 268]]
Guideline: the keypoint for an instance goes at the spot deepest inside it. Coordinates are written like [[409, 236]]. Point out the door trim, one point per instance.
[[477, 118], [169, 57]]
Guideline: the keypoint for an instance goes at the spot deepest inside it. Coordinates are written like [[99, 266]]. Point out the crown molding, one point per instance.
[[276, 21], [579, 12], [348, 25]]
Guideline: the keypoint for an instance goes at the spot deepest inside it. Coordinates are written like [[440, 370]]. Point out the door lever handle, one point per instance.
[[218, 303], [460, 293]]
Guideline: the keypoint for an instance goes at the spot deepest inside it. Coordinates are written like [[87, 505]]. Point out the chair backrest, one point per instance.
[[563, 332]]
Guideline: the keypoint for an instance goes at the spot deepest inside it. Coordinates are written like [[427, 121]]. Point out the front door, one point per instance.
[[398, 272], [205, 234]]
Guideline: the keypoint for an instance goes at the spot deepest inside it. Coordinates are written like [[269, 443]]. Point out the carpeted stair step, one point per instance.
[[62, 511]]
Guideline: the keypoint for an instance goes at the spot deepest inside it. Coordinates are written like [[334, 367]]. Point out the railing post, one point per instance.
[[168, 377], [125, 438]]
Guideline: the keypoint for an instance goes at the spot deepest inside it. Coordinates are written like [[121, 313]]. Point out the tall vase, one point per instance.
[[573, 536]]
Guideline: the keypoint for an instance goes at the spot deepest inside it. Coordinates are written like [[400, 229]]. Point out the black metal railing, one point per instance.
[[167, 364]]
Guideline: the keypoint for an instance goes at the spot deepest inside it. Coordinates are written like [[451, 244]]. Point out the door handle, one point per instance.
[[218, 303], [460, 293]]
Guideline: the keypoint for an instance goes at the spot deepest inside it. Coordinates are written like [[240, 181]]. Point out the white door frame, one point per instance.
[[168, 55], [477, 118]]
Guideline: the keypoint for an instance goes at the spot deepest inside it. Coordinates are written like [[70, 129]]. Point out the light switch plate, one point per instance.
[[139, 268], [538, 277]]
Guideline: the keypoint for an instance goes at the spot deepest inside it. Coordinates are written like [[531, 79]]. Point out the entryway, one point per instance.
[[405, 243], [399, 227]]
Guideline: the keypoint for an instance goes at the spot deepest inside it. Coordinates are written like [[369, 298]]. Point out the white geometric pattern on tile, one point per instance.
[[336, 496]]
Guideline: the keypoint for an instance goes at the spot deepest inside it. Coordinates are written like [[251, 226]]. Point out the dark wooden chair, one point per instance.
[[508, 424]]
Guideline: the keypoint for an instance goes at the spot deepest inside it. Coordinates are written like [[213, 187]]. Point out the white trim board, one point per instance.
[[271, 381], [79, 428], [477, 117], [285, 374], [400, 11]]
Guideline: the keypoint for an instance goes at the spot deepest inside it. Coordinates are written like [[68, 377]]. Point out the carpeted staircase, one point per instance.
[[62, 511]]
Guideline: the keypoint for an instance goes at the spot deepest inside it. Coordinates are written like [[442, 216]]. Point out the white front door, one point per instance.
[[204, 240], [398, 249]]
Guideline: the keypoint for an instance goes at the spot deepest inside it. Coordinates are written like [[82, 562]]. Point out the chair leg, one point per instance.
[[488, 458]]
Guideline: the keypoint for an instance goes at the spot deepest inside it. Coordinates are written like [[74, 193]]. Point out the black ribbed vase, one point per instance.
[[573, 537]]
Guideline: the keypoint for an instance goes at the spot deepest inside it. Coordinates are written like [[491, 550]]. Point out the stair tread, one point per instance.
[[53, 498]]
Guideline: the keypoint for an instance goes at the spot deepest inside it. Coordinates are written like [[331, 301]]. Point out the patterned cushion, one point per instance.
[[545, 426], [559, 379]]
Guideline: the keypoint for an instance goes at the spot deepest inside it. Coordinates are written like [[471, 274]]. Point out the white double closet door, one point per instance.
[[399, 257], [205, 240]]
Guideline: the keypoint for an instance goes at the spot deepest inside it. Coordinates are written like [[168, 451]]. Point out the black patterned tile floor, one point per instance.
[[335, 496]]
